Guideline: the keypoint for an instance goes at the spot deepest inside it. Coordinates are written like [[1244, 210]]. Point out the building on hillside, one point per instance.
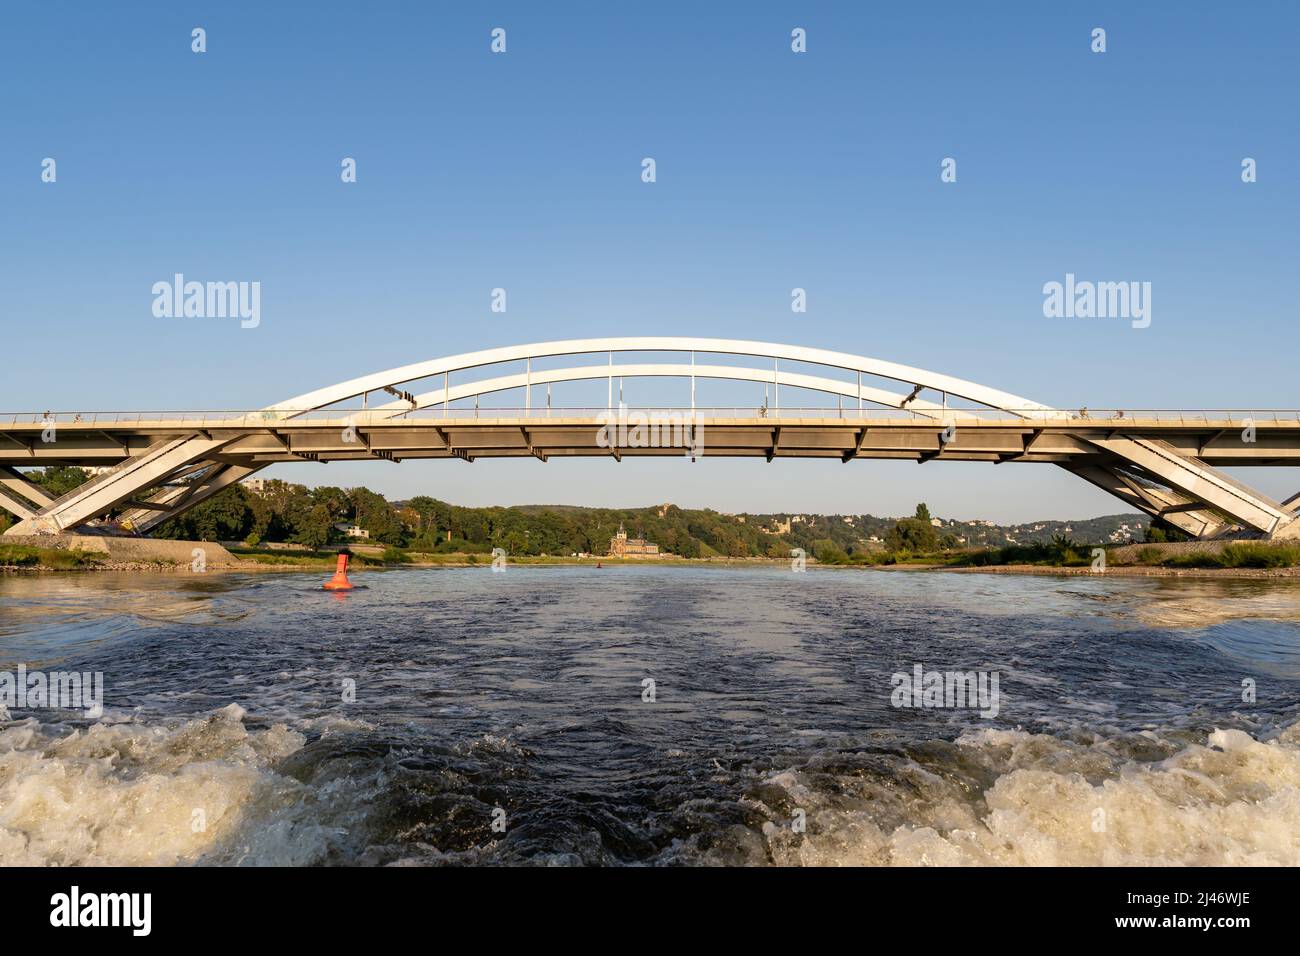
[[621, 546], [351, 530], [256, 485], [778, 526]]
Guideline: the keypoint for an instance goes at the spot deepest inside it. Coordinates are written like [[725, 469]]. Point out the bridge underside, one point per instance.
[[157, 470]]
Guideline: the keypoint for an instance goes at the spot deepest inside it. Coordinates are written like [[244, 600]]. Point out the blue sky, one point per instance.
[[775, 170]]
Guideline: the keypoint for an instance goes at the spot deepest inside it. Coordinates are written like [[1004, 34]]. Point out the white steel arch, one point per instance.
[[917, 378]]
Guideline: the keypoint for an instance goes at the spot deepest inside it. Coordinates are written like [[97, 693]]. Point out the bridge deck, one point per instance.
[[259, 438]]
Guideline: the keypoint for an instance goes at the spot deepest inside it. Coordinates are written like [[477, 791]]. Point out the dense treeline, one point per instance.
[[294, 513], [287, 512]]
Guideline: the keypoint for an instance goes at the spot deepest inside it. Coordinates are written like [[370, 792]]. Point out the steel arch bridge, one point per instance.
[[153, 466]]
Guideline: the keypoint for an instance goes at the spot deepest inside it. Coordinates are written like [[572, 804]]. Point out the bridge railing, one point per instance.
[[261, 418]]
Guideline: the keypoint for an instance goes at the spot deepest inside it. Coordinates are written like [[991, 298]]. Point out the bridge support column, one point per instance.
[[1151, 499], [1198, 482], [15, 505], [177, 500], [13, 480], [111, 488]]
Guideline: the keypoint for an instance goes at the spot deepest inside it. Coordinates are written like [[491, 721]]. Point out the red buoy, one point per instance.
[[340, 580]]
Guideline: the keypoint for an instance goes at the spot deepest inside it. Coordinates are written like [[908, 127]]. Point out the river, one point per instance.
[[654, 715]]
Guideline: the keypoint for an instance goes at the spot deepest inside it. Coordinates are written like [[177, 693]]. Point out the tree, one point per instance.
[[313, 529], [1160, 531], [336, 501], [913, 534], [376, 515], [260, 516], [58, 479], [827, 553], [225, 516]]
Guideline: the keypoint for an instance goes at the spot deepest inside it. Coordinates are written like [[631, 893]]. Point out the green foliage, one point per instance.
[[58, 480], [312, 525], [1240, 554], [373, 512], [223, 517], [1061, 553], [827, 553], [915, 534], [1160, 531], [22, 556]]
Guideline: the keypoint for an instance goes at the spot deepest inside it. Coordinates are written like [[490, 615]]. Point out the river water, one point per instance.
[[466, 716]]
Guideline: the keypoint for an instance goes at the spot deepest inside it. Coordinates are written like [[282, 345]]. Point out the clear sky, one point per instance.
[[775, 170]]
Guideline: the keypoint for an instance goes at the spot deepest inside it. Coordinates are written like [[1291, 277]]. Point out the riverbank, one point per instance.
[[180, 556], [1226, 559], [47, 561], [1126, 570]]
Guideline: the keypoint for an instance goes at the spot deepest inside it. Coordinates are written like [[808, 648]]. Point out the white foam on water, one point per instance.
[[1232, 800], [126, 793], [122, 792]]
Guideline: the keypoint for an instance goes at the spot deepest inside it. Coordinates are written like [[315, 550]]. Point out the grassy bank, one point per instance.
[[1246, 555], [25, 556], [399, 557], [1239, 554], [1056, 554], [1059, 554], [1068, 554], [311, 559]]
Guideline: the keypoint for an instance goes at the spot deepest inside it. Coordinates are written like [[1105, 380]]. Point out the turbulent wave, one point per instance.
[[998, 797], [214, 791], [127, 793]]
